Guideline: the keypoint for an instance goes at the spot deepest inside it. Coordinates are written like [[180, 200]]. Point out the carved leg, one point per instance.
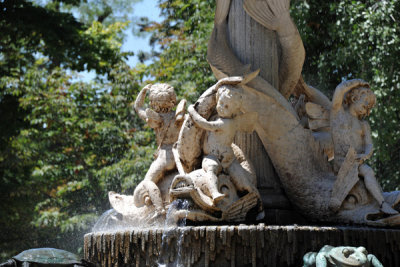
[[373, 261], [147, 192], [164, 162], [240, 179], [375, 189], [309, 259], [212, 167]]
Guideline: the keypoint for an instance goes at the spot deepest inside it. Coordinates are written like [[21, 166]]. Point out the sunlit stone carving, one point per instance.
[[197, 161]]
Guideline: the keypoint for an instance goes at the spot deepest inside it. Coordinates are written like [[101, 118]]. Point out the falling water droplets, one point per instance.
[[172, 239]]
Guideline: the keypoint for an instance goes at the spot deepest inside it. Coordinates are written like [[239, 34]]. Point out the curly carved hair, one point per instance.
[[162, 97], [355, 94]]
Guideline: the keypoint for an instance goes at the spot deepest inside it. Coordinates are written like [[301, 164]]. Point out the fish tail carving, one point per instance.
[[274, 15], [268, 12]]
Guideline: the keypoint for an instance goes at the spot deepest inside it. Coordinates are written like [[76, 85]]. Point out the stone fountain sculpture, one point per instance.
[[198, 160], [224, 174], [213, 172]]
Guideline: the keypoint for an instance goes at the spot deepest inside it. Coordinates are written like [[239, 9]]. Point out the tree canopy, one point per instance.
[[65, 143]]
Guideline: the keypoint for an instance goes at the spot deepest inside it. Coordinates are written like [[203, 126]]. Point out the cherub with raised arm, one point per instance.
[[352, 102], [166, 124], [217, 145]]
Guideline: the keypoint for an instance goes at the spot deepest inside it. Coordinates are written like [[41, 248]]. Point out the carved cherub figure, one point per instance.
[[218, 142], [340, 257], [352, 101], [166, 124]]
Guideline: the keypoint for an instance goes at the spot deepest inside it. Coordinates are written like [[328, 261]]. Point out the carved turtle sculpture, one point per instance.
[[45, 257], [340, 257]]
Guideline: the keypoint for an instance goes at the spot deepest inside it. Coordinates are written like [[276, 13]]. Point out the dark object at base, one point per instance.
[[45, 257], [243, 245]]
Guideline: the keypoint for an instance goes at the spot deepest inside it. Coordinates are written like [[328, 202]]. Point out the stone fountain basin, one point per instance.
[[241, 245]]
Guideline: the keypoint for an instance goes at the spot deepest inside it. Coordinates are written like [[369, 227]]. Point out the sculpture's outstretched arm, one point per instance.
[[140, 102], [180, 111], [313, 94], [342, 89], [203, 123]]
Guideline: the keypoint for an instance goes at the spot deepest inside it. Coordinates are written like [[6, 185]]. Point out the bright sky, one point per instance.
[[145, 8]]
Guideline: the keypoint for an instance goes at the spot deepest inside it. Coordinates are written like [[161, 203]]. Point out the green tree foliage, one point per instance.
[[28, 30], [106, 12], [182, 38], [63, 144], [81, 142]]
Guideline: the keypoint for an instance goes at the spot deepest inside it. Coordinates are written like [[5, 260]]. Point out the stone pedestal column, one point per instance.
[[255, 45]]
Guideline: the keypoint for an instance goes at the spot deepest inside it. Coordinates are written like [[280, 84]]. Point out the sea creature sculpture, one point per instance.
[[340, 257], [297, 149], [303, 168]]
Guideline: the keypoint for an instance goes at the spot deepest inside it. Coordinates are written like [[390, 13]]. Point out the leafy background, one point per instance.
[[64, 142]]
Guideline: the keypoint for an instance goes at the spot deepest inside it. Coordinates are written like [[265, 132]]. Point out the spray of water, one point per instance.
[[170, 231]]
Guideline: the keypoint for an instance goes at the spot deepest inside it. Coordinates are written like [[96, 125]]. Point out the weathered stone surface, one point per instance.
[[244, 32], [297, 139], [242, 245]]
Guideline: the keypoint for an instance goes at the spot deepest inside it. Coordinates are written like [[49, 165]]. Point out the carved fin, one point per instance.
[[220, 56], [316, 111], [178, 161], [221, 11], [229, 80], [224, 63], [268, 12], [238, 210], [346, 179], [250, 76]]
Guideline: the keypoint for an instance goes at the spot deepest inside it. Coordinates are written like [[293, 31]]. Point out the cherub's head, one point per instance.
[[228, 102], [162, 97], [360, 101]]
